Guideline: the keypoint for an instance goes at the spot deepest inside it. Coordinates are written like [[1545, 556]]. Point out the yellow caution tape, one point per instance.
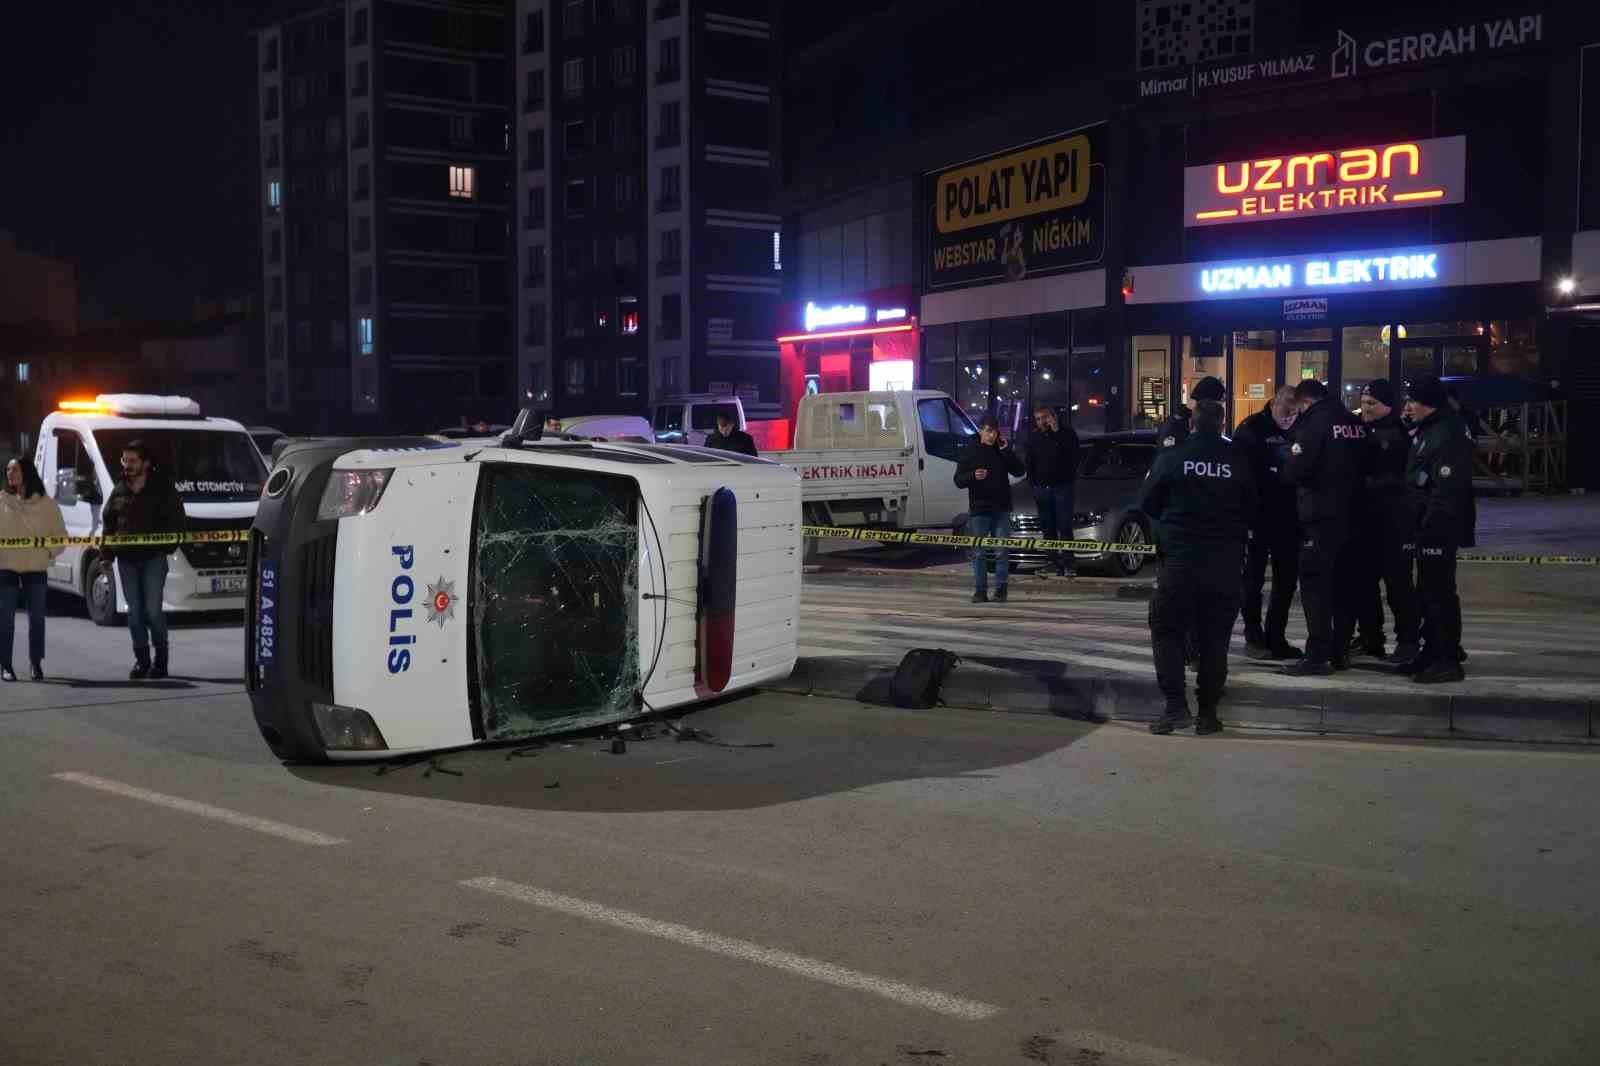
[[131, 540], [951, 540], [1530, 560]]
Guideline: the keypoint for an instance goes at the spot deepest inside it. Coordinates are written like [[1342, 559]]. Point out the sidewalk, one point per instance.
[[1082, 647]]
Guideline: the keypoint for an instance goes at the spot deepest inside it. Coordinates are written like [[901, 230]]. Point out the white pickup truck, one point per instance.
[[883, 459]]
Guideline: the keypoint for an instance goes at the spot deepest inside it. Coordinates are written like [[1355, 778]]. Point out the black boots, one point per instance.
[[141, 663], [1173, 719], [158, 671]]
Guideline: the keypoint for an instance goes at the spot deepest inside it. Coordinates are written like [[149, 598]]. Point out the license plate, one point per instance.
[[266, 617], [228, 584]]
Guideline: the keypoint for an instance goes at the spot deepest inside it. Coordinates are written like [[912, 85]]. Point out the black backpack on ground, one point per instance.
[[920, 676]]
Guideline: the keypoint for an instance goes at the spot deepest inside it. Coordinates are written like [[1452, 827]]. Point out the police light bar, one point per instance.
[[129, 403]]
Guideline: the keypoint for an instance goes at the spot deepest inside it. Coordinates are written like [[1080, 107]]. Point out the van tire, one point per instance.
[[99, 592]]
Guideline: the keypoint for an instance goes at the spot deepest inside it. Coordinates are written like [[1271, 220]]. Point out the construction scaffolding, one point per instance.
[[1521, 447]]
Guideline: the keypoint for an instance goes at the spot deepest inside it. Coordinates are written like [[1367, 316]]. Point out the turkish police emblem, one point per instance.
[[441, 602], [1169, 442], [1295, 449], [1444, 471]]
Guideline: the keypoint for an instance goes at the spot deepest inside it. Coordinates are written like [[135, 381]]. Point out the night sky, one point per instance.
[[125, 136]]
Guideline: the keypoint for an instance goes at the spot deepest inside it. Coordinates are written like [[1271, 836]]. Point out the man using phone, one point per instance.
[[985, 470]]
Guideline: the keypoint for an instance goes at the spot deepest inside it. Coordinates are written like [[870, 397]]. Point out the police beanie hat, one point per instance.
[[1311, 389], [1428, 391], [1209, 388], [1381, 391]]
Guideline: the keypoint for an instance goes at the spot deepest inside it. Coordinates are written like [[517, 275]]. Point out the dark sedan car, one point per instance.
[[1105, 503]]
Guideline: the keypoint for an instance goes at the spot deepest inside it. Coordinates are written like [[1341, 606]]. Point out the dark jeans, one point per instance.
[[1055, 517], [1281, 547], [989, 525], [1384, 554], [1436, 582], [1320, 545], [142, 583], [28, 587], [1200, 600]]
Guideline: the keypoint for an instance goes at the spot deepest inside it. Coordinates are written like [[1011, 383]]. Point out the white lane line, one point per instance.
[[799, 965], [204, 810]]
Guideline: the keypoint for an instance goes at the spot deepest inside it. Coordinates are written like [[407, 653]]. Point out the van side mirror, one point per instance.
[[66, 488]]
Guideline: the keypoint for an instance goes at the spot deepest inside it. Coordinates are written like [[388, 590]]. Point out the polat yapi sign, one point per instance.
[[1022, 213], [1378, 177]]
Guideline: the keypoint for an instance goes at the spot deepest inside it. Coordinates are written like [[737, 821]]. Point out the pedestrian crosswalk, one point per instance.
[[1512, 651]]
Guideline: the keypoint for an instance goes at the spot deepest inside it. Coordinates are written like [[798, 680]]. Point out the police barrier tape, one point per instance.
[[950, 540], [883, 536], [131, 540]]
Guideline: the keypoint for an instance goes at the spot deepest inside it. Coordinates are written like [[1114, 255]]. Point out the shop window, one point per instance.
[[1366, 359], [1090, 401], [1147, 381], [939, 358], [1513, 349], [1047, 366], [1442, 329], [972, 369], [1008, 374], [1460, 360], [1416, 360]]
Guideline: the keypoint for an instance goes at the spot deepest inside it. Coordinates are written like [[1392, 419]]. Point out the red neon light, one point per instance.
[[906, 328]]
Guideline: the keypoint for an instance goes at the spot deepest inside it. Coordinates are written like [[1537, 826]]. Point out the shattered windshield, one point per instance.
[[555, 599]]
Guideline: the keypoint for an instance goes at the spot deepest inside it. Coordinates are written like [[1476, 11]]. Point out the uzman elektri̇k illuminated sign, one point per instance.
[[1378, 177]]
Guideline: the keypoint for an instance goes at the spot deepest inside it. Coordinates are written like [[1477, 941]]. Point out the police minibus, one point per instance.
[[412, 594]]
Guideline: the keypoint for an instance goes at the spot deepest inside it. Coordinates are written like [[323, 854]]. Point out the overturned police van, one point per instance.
[[410, 594]]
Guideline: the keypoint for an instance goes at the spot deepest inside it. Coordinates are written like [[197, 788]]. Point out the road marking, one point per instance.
[[799, 965], [204, 810]]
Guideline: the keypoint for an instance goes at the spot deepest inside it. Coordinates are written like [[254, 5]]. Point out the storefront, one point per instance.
[[866, 341], [1015, 289], [1463, 311]]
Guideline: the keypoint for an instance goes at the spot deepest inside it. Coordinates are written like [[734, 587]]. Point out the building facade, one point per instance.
[[647, 249], [385, 179]]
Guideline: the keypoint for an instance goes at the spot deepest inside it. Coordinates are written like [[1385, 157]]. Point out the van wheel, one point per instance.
[[100, 593]]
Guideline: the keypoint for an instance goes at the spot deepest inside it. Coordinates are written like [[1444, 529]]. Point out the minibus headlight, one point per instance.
[[347, 728], [352, 492]]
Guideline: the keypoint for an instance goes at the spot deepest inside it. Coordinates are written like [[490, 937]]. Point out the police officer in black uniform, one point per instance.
[[1439, 479], [1390, 526], [1324, 451], [1275, 533], [1173, 432], [1201, 495]]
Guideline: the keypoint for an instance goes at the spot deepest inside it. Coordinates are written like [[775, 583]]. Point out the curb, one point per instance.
[[1430, 713]]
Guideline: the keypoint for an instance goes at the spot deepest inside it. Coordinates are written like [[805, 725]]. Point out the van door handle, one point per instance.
[[922, 464]]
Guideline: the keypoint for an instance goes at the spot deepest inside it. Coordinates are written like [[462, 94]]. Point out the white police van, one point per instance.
[[213, 464], [412, 594]]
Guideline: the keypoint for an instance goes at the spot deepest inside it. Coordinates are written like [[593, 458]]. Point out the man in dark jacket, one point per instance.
[[144, 501], [1386, 528], [1439, 480], [1173, 432], [730, 438], [1052, 470], [1324, 453], [1202, 496], [985, 470], [1263, 439]]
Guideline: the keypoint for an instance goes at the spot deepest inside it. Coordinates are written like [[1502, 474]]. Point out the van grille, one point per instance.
[[316, 612], [213, 556]]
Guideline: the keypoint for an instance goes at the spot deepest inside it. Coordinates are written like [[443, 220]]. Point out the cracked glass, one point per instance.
[[554, 599]]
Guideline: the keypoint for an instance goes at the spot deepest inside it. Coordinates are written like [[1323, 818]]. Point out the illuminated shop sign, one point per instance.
[[1317, 276], [1378, 177], [1021, 213], [834, 315], [891, 314]]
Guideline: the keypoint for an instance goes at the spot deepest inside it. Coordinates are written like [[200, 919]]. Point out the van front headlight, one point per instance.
[[347, 728], [352, 492]]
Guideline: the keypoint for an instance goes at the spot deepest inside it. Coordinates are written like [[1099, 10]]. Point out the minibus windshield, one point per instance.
[[554, 598]]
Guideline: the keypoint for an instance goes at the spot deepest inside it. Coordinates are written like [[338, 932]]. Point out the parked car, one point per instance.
[[1111, 471], [687, 419]]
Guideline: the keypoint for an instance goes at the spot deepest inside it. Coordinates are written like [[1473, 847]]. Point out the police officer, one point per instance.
[[1275, 533], [1323, 456], [1439, 479], [1390, 526], [1201, 495], [1173, 432]]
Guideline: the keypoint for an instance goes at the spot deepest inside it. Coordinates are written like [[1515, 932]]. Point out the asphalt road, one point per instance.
[[878, 886]]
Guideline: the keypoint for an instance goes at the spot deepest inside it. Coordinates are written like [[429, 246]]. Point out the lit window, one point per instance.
[[274, 194], [461, 182], [22, 372], [628, 314], [777, 250], [364, 335]]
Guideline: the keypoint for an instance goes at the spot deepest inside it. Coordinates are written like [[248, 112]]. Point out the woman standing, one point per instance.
[[25, 511]]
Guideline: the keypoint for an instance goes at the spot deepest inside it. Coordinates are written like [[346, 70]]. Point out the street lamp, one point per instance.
[[1566, 286]]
